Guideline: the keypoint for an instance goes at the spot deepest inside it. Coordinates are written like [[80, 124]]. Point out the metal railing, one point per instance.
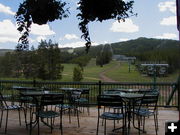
[[168, 95]]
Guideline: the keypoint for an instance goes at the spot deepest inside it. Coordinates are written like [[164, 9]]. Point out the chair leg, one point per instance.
[[143, 124], [38, 125], [157, 120], [78, 117], [139, 124], [51, 125], [104, 126], [155, 123], [133, 120], [103, 119], [19, 116], [31, 118], [61, 128], [97, 126], [88, 109], [114, 124], [6, 121], [69, 111], [25, 117], [124, 126], [1, 118]]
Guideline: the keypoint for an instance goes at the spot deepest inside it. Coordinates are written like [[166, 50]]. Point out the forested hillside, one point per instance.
[[144, 49], [144, 45], [134, 46]]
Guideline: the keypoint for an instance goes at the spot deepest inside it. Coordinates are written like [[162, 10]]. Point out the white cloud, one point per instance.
[[42, 30], [73, 44], [105, 42], [7, 28], [7, 39], [167, 36], [31, 40], [71, 36], [128, 26], [169, 21], [6, 10], [123, 39], [95, 43], [167, 6], [8, 32], [76, 44], [39, 38]]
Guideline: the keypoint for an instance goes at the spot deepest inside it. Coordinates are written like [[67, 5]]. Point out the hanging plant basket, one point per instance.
[[43, 11], [100, 10], [39, 12]]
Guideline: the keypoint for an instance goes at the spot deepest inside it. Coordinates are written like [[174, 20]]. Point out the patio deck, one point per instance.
[[87, 124]]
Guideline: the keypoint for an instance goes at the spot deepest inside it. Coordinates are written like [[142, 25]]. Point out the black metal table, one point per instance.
[[129, 98]]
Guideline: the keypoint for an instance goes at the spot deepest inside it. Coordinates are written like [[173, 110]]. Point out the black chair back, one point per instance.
[[73, 95], [52, 99], [109, 100], [149, 100]]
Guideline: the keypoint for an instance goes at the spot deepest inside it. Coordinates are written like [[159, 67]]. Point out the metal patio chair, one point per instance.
[[72, 105], [5, 107], [146, 107], [45, 110], [107, 101]]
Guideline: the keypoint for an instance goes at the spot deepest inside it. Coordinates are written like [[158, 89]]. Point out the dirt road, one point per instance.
[[104, 78]]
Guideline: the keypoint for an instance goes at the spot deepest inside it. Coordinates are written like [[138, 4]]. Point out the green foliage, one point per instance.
[[66, 57], [97, 10], [6, 65], [40, 12], [49, 61], [82, 61], [77, 73], [43, 63]]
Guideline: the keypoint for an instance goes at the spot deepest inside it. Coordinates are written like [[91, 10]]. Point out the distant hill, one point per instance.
[[138, 45], [144, 44], [133, 46], [3, 51]]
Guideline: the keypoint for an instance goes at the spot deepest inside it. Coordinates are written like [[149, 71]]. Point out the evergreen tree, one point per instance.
[[49, 61], [77, 73]]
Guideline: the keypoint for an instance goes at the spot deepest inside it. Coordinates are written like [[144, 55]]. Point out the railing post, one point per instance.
[[34, 83], [99, 87], [154, 75], [178, 88]]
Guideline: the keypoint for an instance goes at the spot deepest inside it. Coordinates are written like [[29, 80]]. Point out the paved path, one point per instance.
[[104, 78]]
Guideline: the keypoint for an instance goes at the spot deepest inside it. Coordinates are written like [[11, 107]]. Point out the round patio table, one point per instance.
[[130, 98]]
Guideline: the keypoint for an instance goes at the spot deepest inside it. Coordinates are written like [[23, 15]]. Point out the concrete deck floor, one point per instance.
[[87, 124]]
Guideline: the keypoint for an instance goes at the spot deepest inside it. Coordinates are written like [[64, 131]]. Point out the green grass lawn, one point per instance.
[[91, 71], [67, 74], [122, 74], [90, 74]]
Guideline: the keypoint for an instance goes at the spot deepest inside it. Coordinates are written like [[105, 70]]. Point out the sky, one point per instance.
[[155, 19]]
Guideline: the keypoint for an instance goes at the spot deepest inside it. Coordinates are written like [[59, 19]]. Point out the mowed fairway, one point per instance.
[[118, 71], [91, 71]]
